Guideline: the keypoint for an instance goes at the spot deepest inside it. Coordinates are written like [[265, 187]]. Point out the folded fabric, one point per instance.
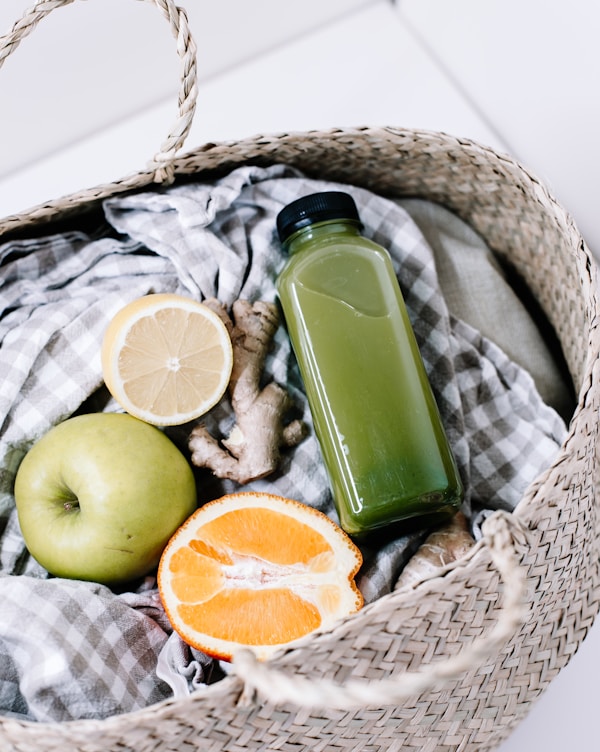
[[476, 290], [73, 649], [57, 295]]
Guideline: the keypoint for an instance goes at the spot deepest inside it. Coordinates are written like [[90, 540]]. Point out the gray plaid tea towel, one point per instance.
[[72, 650]]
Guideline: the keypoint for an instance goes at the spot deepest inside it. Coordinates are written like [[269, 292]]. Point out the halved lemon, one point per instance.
[[258, 571], [166, 359]]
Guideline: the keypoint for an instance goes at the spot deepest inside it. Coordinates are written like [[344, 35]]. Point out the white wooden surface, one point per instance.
[[532, 71], [89, 65], [362, 68], [521, 77]]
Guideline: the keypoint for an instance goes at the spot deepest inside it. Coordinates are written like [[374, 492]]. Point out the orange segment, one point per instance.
[[166, 359], [259, 571], [201, 584], [243, 531], [295, 617]]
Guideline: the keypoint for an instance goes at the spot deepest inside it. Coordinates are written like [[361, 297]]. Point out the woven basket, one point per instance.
[[457, 662]]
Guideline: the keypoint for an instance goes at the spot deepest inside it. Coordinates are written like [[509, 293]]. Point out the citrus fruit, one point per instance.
[[166, 359], [254, 570]]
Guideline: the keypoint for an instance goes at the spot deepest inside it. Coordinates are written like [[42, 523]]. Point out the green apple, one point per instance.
[[99, 496]]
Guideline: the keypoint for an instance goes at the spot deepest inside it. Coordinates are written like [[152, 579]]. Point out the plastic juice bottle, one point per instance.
[[375, 416]]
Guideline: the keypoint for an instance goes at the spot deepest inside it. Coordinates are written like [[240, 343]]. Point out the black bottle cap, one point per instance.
[[316, 207]]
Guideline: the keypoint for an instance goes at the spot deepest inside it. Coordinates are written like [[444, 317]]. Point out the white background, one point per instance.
[[91, 94]]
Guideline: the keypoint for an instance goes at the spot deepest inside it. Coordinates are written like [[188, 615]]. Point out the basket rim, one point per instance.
[[185, 163]]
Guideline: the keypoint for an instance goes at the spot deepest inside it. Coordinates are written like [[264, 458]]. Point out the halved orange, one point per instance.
[[166, 358], [257, 571]]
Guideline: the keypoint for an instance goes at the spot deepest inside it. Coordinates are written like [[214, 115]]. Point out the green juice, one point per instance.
[[378, 426]]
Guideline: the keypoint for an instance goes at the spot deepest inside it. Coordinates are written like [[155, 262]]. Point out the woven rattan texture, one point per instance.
[[555, 539]]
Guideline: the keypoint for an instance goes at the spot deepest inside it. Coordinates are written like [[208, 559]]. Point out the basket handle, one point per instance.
[[162, 164], [279, 687]]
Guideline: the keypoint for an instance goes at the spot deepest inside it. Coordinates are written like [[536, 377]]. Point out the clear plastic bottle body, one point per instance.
[[375, 416]]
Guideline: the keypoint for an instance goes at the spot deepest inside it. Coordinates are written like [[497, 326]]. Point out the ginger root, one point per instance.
[[253, 448], [440, 548]]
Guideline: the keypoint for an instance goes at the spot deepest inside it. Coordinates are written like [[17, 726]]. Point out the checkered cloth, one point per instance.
[[80, 650]]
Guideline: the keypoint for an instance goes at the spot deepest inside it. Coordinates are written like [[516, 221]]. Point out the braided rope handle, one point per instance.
[[162, 163], [304, 691]]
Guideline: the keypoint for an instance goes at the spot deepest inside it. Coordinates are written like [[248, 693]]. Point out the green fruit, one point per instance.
[[99, 496]]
